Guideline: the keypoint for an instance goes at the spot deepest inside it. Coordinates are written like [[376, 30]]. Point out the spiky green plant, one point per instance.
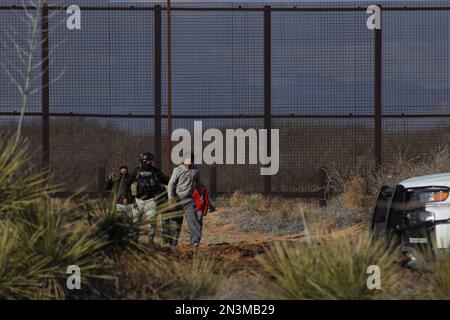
[[334, 270], [20, 184], [40, 240], [49, 237], [21, 274]]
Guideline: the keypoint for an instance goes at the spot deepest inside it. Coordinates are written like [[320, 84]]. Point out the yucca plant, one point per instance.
[[112, 226], [40, 239], [333, 270], [21, 274], [20, 183], [47, 235], [122, 229]]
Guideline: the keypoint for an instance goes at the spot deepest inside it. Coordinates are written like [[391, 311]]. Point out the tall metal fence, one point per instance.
[[340, 94]]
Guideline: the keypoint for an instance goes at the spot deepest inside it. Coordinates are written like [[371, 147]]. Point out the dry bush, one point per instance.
[[236, 199], [334, 270], [403, 164], [266, 214], [354, 195], [407, 164], [280, 216], [354, 190]]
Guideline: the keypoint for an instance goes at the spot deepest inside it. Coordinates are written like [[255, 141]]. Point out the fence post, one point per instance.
[[378, 108], [157, 83], [267, 88], [45, 89]]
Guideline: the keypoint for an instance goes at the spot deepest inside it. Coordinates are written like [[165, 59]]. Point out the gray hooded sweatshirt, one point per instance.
[[182, 182]]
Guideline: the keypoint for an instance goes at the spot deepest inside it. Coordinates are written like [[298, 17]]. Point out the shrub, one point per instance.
[[21, 274], [20, 184], [40, 238], [354, 195], [258, 213], [334, 270], [48, 236]]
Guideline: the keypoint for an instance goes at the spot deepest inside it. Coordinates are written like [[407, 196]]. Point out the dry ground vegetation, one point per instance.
[[282, 249]]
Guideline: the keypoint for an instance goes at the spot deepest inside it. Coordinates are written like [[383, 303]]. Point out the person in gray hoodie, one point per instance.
[[180, 189]]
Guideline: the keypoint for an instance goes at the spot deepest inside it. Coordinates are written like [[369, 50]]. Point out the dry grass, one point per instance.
[[274, 215], [280, 216], [354, 195], [334, 270], [439, 279], [143, 276]]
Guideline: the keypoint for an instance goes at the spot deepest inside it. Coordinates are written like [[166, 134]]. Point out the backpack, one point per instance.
[[197, 199], [147, 183]]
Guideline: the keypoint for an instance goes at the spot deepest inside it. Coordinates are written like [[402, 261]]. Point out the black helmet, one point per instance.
[[147, 156]]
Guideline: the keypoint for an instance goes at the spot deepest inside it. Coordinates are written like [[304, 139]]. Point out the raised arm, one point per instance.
[[164, 179]]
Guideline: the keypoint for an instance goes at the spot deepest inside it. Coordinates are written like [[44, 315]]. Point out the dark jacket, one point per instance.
[[121, 186], [159, 177]]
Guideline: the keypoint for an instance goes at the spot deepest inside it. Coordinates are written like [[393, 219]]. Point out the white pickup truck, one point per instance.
[[416, 212]]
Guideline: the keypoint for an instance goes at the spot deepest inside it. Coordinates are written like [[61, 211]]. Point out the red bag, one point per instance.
[[198, 202]]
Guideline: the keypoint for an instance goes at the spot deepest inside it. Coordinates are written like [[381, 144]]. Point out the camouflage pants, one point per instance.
[[146, 208]]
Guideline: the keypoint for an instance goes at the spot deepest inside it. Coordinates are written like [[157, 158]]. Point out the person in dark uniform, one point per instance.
[[150, 183]]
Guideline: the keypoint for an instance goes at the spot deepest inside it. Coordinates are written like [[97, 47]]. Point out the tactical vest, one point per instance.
[[147, 182]]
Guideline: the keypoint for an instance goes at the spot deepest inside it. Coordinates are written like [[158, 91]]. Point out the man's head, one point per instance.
[[188, 158], [123, 169], [147, 158]]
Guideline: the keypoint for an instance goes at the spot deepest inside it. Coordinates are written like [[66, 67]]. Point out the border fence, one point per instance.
[[340, 94]]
